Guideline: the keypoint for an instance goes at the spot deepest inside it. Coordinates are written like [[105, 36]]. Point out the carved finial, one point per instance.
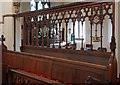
[[113, 44], [2, 40]]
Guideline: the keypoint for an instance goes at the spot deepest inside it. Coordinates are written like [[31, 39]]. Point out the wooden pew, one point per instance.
[[17, 76], [68, 68]]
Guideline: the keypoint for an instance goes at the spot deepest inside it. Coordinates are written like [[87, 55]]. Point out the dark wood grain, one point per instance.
[[64, 65], [62, 69]]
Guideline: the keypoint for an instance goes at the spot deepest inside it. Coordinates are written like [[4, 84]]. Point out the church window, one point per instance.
[[39, 4]]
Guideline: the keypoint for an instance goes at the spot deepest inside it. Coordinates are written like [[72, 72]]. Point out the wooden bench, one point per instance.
[[64, 67]]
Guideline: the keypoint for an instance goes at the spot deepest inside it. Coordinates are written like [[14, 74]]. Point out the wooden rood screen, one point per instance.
[[48, 29], [64, 26]]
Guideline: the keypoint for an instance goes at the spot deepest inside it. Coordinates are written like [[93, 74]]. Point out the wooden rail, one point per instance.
[[43, 28]]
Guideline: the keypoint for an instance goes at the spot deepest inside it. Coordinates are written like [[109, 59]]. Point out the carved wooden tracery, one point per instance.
[[41, 27]]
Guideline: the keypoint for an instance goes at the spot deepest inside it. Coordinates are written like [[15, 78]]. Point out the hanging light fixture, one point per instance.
[[96, 38]]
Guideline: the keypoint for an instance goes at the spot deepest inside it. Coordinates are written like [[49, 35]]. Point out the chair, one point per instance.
[[89, 46], [70, 46], [102, 49]]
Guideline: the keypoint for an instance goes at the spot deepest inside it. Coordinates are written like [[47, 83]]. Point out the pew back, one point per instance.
[[69, 68]]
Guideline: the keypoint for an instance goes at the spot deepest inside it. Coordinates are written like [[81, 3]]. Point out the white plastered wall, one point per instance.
[[117, 34], [24, 6], [8, 26], [118, 51], [8, 30], [0, 43], [1, 18]]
